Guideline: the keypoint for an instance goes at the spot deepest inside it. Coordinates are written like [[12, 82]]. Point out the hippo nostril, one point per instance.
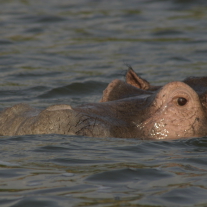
[[181, 101]]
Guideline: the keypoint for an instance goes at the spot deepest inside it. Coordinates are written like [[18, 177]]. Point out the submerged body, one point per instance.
[[130, 109]]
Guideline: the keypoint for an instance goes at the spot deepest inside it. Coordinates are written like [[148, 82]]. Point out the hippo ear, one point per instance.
[[119, 89], [199, 84], [133, 79]]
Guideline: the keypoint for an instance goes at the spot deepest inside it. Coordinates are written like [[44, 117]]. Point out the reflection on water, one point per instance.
[[67, 52], [90, 171]]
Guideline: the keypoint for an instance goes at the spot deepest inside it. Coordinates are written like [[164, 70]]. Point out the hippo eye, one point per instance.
[[182, 101]]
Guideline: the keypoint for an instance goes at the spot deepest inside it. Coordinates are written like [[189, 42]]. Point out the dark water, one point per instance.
[[66, 52]]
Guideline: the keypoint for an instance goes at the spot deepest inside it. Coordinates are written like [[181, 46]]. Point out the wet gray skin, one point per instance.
[[129, 109]]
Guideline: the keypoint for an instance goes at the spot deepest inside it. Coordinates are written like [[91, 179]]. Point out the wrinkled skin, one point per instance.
[[130, 109]]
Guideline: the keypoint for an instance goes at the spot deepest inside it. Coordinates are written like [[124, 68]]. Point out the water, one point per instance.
[[67, 52]]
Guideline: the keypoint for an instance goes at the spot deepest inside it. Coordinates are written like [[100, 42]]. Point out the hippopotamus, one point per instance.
[[128, 109]]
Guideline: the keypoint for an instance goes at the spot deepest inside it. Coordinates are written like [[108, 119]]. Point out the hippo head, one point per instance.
[[175, 110], [131, 109]]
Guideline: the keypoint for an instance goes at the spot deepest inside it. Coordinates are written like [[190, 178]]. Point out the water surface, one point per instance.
[[55, 52]]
